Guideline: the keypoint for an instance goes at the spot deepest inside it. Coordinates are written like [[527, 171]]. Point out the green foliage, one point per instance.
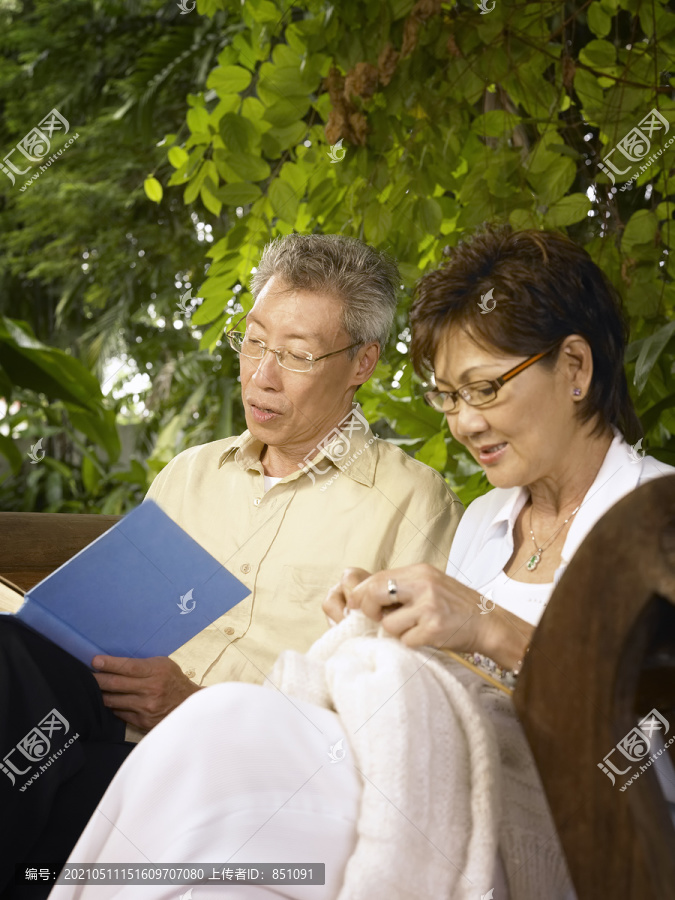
[[226, 118]]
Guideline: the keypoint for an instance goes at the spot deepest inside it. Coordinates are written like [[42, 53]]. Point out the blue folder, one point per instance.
[[143, 588]]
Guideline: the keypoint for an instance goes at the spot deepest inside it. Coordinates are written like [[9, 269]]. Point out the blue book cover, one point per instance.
[[143, 588]]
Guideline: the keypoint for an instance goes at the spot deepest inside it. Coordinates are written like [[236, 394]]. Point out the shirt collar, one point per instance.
[[618, 474], [348, 446]]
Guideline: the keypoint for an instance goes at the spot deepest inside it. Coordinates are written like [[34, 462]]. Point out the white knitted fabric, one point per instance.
[[446, 767], [427, 756], [530, 848]]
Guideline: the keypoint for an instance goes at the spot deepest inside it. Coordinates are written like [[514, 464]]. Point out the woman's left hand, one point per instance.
[[431, 608]]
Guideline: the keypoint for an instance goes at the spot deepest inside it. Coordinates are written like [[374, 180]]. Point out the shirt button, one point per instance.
[[256, 502], [229, 630], [190, 673], [245, 568]]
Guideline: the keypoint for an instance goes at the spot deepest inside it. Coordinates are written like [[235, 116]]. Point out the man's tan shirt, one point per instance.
[[289, 545]]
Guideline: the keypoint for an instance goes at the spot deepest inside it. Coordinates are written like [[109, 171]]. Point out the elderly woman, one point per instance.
[[525, 339]]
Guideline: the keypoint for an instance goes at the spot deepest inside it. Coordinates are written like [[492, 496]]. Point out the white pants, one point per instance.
[[238, 774]]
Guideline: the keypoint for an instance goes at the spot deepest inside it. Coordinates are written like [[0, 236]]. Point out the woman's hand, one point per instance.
[[335, 603], [431, 608]]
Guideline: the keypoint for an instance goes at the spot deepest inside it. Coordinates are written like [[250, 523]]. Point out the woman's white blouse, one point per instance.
[[483, 542], [483, 545]]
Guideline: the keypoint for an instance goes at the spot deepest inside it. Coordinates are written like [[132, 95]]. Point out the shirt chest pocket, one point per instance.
[[305, 588]]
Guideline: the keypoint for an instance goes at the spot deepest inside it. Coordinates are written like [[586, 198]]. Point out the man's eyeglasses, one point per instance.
[[293, 360], [478, 393]]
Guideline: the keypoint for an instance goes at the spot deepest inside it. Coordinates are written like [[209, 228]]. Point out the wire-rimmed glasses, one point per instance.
[[478, 393]]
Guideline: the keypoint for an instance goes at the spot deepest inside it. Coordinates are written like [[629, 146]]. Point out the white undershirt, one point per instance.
[[270, 481], [523, 599]]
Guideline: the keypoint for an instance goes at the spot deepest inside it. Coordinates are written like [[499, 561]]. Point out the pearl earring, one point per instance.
[[577, 392]]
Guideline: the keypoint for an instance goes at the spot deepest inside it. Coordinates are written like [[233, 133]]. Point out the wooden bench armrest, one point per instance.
[[602, 657]]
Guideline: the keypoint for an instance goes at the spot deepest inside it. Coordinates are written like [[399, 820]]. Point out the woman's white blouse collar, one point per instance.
[[622, 470]]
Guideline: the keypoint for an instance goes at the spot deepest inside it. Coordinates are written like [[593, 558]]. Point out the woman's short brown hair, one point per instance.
[[545, 287]]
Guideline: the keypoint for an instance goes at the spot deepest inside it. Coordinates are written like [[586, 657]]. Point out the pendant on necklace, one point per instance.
[[533, 562]]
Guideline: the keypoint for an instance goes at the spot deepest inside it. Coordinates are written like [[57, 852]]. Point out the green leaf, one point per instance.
[[495, 124], [91, 475], [434, 452], [237, 132], [286, 136], [428, 215], [599, 21], [100, 430], [153, 189], [651, 349], [192, 190], [213, 204], [283, 110], [11, 452], [264, 11], [598, 54], [198, 120], [400, 8], [555, 181], [177, 157], [377, 222], [238, 194], [642, 228], [568, 210], [249, 168], [212, 307], [229, 79], [33, 365], [590, 93], [284, 200], [411, 417]]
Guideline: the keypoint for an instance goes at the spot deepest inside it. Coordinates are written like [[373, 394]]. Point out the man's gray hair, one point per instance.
[[363, 279]]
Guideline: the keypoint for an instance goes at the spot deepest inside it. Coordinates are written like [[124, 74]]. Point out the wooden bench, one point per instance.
[[602, 657]]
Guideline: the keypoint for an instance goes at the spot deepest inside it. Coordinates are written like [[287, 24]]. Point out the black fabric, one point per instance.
[[41, 686]]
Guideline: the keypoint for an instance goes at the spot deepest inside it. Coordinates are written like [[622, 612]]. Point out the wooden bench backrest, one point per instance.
[[34, 544]]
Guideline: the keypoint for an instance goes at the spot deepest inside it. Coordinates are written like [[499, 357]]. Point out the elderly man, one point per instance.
[[306, 490]]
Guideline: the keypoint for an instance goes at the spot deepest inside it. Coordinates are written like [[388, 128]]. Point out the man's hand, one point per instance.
[[141, 691], [335, 602]]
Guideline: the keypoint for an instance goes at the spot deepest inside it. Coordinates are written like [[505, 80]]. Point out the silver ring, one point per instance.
[[392, 588]]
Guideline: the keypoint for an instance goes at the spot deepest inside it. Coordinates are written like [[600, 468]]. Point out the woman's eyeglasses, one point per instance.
[[478, 393]]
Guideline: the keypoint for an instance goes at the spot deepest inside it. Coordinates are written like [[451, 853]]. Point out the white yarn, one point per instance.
[[427, 755]]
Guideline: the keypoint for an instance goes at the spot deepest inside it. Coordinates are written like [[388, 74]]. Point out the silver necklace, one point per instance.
[[533, 561]]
